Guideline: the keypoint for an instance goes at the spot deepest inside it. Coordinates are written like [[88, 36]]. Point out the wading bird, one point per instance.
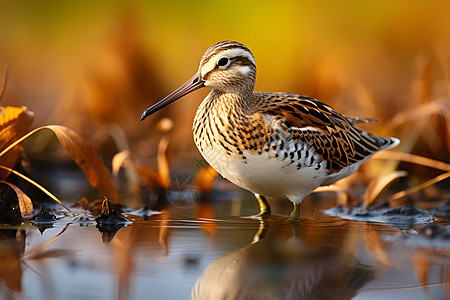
[[272, 144]]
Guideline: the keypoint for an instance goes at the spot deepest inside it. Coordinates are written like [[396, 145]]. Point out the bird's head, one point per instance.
[[227, 67]]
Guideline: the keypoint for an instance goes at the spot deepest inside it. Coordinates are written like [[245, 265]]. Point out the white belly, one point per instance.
[[266, 175]]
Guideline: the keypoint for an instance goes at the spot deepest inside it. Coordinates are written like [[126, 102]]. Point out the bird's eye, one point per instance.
[[223, 61]]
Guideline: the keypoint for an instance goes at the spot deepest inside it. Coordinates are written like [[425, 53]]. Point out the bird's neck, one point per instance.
[[231, 102]]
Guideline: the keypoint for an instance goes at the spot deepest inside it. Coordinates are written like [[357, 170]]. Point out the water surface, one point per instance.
[[209, 251]]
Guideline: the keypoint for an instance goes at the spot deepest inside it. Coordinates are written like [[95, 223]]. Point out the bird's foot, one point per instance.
[[264, 214], [295, 215], [295, 220]]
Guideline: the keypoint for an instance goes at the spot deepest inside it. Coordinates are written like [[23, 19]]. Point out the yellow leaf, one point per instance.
[[14, 123], [83, 155]]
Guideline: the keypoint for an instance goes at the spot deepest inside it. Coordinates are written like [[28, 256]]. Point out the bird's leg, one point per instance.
[[264, 206], [295, 214]]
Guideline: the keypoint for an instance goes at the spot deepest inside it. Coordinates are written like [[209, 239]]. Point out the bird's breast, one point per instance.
[[262, 160]]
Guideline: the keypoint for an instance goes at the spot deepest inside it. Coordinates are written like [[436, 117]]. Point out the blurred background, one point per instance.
[[94, 66]]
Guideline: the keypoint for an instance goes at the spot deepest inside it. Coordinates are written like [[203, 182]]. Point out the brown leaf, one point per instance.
[[5, 82], [419, 187], [164, 233], [36, 252], [204, 179], [11, 267], [25, 204], [163, 161], [14, 123], [341, 193], [35, 184], [118, 161], [151, 178], [82, 203], [205, 214], [164, 125], [423, 111], [414, 159], [82, 154], [421, 264], [375, 245], [87, 159], [378, 184], [125, 160]]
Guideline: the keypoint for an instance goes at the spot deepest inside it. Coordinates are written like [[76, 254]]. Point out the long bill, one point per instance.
[[189, 86]]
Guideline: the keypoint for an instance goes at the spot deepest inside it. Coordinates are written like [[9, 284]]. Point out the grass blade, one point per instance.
[[35, 184]]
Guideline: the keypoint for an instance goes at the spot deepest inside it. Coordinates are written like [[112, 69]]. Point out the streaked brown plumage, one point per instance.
[[273, 144]]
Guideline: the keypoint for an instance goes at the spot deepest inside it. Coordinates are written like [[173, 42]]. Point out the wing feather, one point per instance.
[[334, 136]]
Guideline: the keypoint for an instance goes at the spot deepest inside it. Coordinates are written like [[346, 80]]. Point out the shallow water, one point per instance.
[[210, 251]]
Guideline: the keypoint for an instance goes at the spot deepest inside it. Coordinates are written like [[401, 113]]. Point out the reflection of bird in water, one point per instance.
[[273, 144], [282, 269]]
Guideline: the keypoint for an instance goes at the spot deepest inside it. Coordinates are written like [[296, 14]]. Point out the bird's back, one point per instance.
[[335, 137]]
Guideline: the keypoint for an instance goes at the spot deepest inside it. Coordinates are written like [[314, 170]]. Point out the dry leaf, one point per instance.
[[205, 213], [25, 204], [163, 161], [87, 159], [82, 154], [151, 178], [419, 187], [36, 252], [83, 203], [14, 123], [341, 193], [124, 160], [119, 160], [375, 246], [419, 160], [420, 116], [204, 179], [5, 82], [35, 184], [164, 125], [421, 264], [378, 184], [425, 110], [164, 234], [11, 267], [414, 159]]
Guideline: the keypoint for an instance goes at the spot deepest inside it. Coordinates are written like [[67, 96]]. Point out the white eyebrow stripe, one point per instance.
[[239, 52], [211, 64]]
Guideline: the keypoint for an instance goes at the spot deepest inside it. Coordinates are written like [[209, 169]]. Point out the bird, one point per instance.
[[279, 145]]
